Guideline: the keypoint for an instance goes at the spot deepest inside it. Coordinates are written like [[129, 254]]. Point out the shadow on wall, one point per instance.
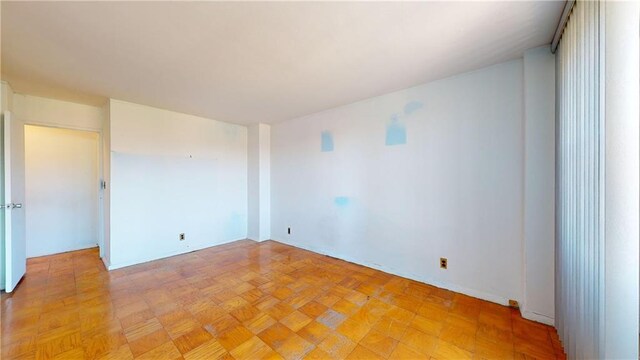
[[349, 220]]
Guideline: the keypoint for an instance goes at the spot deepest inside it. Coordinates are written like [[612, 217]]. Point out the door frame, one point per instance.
[[101, 178]]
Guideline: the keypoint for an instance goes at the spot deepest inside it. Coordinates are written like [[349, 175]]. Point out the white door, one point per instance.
[[15, 241]]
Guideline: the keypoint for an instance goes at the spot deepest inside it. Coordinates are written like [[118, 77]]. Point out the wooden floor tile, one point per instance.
[[192, 340], [337, 346], [390, 327], [314, 332], [317, 354], [295, 347], [419, 341], [313, 309], [260, 323], [275, 335], [252, 348], [208, 350], [446, 350], [404, 352], [379, 343], [362, 353], [233, 337], [166, 351], [295, 321], [249, 300], [149, 341], [354, 329], [460, 337]]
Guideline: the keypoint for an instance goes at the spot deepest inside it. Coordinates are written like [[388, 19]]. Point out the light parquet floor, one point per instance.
[[248, 300]]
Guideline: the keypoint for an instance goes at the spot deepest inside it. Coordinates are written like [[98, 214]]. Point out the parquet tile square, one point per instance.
[[486, 349], [425, 325], [166, 351], [345, 307], [362, 353], [295, 321], [122, 353], [58, 345], [275, 335], [181, 327], [354, 329], [313, 309], [446, 350], [260, 323], [102, 343], [192, 340], [149, 341], [317, 354], [379, 343], [314, 332], [331, 318], [245, 313], [337, 346], [295, 347], [419, 341], [208, 350], [252, 348], [403, 351], [221, 325], [233, 337], [73, 354], [248, 300], [459, 337], [390, 327]]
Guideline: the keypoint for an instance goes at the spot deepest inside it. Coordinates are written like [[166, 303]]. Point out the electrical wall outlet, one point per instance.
[[443, 263], [181, 237]]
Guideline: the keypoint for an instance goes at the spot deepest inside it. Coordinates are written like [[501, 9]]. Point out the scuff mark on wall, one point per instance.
[[326, 141], [341, 201], [396, 132], [235, 228], [412, 106]]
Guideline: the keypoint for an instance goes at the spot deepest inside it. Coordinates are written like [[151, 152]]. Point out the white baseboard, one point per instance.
[[538, 317], [105, 262], [165, 255], [444, 285]]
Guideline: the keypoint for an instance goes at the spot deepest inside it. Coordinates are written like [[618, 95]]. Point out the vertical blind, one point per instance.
[[580, 182]]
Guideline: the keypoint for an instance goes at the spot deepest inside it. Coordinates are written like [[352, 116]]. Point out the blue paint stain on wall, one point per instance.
[[396, 132], [341, 201], [235, 227], [326, 141], [412, 106]]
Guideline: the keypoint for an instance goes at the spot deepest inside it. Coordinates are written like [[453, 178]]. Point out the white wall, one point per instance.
[[259, 189], [265, 182], [253, 184], [43, 111], [173, 173], [454, 190], [61, 176], [539, 179]]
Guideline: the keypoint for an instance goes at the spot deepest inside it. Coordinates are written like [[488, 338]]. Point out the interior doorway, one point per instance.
[[62, 185]]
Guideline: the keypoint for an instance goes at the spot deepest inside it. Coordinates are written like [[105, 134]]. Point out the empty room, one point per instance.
[[320, 180]]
